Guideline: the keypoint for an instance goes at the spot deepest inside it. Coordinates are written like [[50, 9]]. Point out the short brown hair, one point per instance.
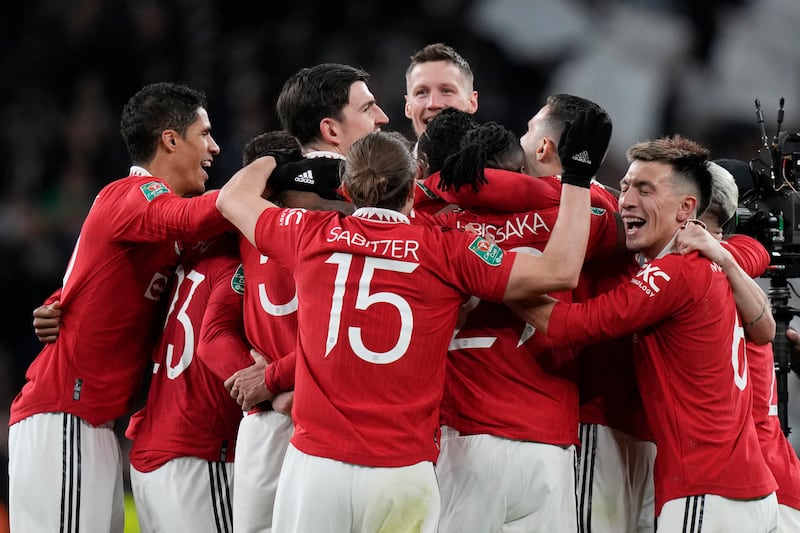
[[688, 159], [441, 52]]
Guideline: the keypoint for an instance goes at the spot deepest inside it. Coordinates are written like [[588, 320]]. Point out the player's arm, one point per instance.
[[311, 201], [241, 201], [751, 302], [283, 402], [581, 150], [535, 311], [222, 344], [559, 266]]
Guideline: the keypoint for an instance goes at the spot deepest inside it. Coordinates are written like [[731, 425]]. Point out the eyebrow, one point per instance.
[[368, 104]]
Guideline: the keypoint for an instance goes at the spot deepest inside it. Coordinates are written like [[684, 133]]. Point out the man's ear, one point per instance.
[[169, 140], [473, 103], [407, 107], [687, 209], [329, 130], [546, 150]]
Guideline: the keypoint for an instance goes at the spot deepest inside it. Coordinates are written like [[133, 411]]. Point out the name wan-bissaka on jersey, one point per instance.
[[518, 226]]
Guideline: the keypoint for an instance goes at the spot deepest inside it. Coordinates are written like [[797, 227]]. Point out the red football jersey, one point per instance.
[[112, 299], [691, 366], [511, 192], [270, 309], [270, 304], [378, 301], [608, 390], [188, 411], [778, 451], [503, 378]]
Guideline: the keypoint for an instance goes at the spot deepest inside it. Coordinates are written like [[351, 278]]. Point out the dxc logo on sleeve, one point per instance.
[[648, 275]]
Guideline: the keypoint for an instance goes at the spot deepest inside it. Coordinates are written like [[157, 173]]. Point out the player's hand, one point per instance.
[[247, 386], [282, 403], [284, 156], [47, 322], [307, 175], [583, 146], [693, 237]]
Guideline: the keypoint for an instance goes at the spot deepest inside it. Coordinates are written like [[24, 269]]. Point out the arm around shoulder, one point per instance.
[[241, 201]]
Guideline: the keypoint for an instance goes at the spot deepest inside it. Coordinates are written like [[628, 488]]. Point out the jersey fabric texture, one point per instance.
[[188, 411], [778, 451], [112, 299], [691, 367], [503, 378], [379, 300]]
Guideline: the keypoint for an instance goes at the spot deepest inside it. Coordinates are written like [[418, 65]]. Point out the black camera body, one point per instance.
[[769, 206], [769, 211]]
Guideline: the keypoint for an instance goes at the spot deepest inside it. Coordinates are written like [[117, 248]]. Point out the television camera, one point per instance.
[[769, 211]]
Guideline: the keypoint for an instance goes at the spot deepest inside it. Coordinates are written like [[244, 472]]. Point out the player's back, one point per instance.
[[506, 356], [378, 304], [188, 411], [270, 304]]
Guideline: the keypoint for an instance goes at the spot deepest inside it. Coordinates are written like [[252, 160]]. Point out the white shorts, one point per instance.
[[790, 519], [710, 513], [64, 475], [260, 447], [494, 484], [184, 495], [615, 481], [319, 495]]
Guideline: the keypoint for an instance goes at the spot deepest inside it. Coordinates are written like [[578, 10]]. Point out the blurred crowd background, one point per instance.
[[68, 66]]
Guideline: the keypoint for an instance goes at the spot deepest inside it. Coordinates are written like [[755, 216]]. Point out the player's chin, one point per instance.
[[200, 184]]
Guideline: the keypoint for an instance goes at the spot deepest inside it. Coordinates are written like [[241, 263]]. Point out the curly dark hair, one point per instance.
[[443, 137], [489, 145]]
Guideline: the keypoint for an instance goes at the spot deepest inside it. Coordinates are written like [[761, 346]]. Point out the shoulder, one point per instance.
[[683, 270], [147, 188]]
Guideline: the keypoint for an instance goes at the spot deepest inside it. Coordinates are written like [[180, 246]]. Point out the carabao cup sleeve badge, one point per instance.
[[153, 189], [490, 253]]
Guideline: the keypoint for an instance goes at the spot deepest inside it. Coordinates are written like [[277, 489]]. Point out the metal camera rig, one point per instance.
[[770, 212]]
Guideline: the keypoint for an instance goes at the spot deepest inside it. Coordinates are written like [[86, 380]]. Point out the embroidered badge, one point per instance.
[[157, 287], [237, 281], [490, 253], [153, 190]]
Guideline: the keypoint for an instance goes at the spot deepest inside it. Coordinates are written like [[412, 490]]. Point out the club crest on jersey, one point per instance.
[[291, 216], [157, 287], [489, 252], [153, 190], [237, 281], [598, 211]]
